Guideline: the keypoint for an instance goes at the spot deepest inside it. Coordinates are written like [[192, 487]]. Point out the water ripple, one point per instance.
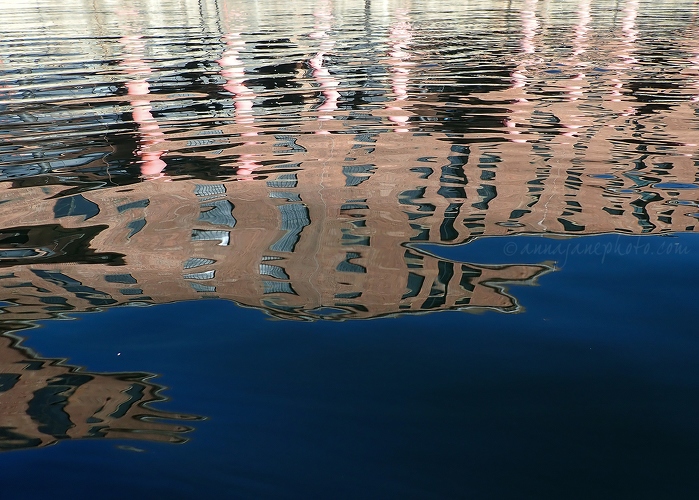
[[335, 136]]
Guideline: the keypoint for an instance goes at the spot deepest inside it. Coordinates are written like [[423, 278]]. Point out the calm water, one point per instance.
[[349, 249]]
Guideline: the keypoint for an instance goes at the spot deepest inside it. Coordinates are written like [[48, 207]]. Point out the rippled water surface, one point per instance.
[[279, 216]]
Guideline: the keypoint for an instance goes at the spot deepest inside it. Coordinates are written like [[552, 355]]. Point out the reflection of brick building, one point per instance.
[[43, 401], [279, 243], [345, 169]]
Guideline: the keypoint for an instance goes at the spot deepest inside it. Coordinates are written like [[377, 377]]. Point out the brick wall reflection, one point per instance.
[[44, 401], [329, 237], [301, 184]]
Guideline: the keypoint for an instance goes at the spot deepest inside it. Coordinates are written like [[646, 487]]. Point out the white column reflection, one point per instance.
[[574, 87], [327, 83], [694, 82], [581, 28], [694, 59], [521, 105], [629, 35]]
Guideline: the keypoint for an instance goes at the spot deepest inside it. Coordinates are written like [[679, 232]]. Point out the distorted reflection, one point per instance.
[[138, 87], [44, 401], [321, 73], [495, 138], [400, 68], [233, 71]]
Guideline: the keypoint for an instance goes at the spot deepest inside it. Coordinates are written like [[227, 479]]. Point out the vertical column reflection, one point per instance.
[[150, 135], [628, 47], [694, 59], [327, 83], [400, 37], [581, 28], [233, 71], [530, 25], [574, 87]]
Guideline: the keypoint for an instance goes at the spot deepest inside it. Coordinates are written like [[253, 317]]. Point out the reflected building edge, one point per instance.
[[278, 243], [576, 149], [363, 165], [298, 171], [45, 401]]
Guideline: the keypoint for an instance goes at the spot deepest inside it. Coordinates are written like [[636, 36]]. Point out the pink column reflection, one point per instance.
[[233, 70], [150, 135], [400, 37]]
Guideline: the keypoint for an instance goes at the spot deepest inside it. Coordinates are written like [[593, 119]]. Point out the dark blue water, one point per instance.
[[583, 395], [349, 249]]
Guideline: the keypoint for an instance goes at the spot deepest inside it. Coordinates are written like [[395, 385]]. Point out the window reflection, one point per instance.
[[533, 136], [45, 401]]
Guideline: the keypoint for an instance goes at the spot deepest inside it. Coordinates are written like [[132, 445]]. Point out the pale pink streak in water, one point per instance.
[[581, 29], [694, 60], [530, 25], [149, 131], [575, 84], [233, 70], [400, 37]]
